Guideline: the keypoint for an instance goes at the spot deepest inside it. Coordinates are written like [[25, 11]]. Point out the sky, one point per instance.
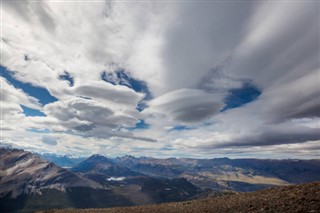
[[201, 79]]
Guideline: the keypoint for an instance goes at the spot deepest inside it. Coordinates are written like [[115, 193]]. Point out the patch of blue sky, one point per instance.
[[66, 76], [140, 125], [239, 97], [31, 112], [141, 106], [41, 94], [39, 130], [181, 128]]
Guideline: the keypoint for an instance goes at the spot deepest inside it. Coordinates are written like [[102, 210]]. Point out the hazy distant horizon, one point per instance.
[[163, 157]]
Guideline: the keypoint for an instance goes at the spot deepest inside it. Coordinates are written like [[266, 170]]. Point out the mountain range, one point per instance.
[[65, 161], [217, 173], [30, 182], [228, 174]]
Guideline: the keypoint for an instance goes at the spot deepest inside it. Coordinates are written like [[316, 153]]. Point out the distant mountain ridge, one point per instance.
[[103, 165], [66, 161], [228, 174], [217, 173]]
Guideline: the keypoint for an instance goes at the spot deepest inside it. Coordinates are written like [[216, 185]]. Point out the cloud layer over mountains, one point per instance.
[[199, 79]]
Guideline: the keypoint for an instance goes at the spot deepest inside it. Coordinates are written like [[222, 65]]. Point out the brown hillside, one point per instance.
[[296, 198]]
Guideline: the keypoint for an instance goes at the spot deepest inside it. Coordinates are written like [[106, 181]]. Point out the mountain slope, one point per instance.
[[296, 198], [23, 172]]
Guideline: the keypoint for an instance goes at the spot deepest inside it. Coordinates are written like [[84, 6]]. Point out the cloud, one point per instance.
[[11, 111], [110, 33], [298, 98], [308, 150], [191, 56], [280, 54], [108, 92], [273, 136], [199, 42], [51, 141], [186, 105], [216, 80], [10, 94], [92, 118]]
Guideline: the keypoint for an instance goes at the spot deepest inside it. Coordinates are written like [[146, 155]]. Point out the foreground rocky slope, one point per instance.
[[296, 198]]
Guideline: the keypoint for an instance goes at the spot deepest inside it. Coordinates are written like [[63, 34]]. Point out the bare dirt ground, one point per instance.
[[296, 198]]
